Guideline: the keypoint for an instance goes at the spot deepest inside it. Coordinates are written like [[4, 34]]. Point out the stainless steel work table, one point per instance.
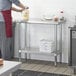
[[33, 50]]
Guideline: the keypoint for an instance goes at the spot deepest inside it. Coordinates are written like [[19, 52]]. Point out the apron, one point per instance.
[[8, 22]]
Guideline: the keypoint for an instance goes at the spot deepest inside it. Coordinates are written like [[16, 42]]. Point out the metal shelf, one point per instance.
[[36, 50]]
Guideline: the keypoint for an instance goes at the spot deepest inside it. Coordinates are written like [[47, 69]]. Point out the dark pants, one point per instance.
[[6, 44], [0, 54]]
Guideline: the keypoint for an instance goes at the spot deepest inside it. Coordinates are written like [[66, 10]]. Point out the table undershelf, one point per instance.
[[36, 51]]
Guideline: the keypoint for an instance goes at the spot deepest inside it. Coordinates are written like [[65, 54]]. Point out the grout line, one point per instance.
[[65, 71]]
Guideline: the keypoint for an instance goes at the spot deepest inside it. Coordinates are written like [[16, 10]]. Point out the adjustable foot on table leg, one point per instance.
[[26, 57], [55, 63], [60, 58], [20, 55]]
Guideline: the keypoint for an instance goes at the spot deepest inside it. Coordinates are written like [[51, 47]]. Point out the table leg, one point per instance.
[[19, 55], [61, 43], [55, 55], [26, 56], [55, 63]]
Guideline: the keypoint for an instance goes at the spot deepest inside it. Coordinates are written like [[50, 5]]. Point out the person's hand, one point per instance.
[[24, 9], [21, 10]]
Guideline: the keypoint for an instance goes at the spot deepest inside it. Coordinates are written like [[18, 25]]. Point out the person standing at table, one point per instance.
[[6, 26]]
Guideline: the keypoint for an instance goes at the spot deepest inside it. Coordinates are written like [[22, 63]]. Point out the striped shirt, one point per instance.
[[6, 4]]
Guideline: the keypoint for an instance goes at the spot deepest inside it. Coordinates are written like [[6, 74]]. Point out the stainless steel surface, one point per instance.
[[73, 48], [72, 53], [57, 52], [72, 60]]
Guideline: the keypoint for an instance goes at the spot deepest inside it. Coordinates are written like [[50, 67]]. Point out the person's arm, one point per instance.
[[19, 4], [17, 10]]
